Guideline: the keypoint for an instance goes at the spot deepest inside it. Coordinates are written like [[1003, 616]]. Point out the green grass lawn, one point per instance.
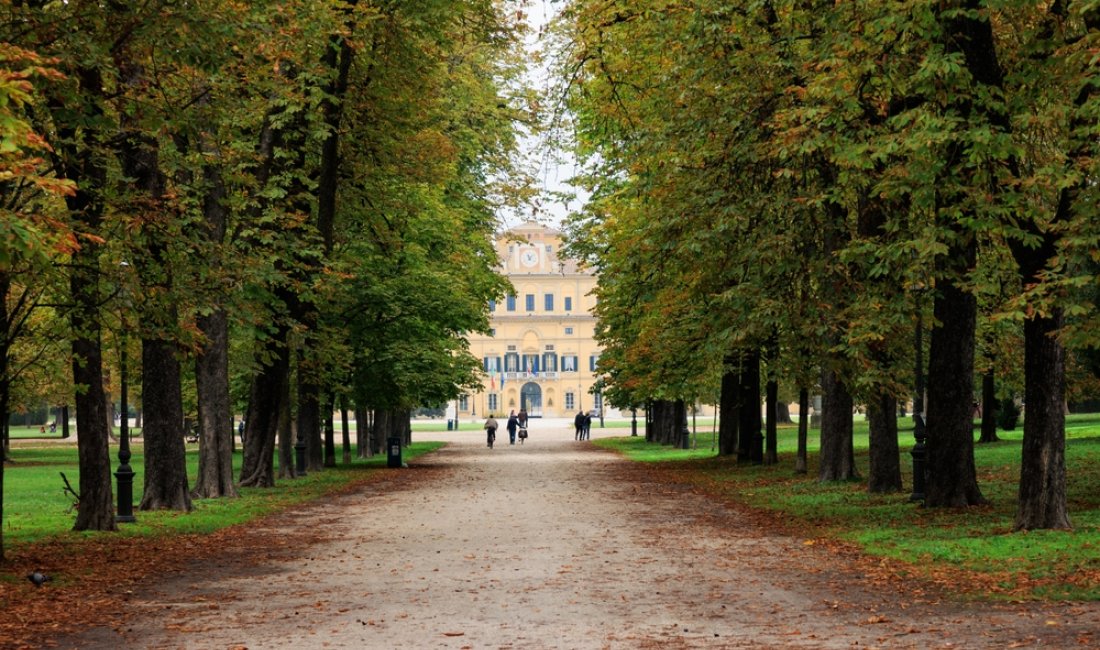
[[973, 550], [36, 508]]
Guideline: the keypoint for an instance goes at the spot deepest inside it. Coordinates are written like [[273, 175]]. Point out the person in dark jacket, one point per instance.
[[586, 434], [513, 424], [578, 422], [490, 430]]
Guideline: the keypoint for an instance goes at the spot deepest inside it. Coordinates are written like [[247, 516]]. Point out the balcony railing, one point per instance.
[[526, 376]]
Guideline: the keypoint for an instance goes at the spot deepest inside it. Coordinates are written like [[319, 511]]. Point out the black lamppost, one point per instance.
[[634, 421], [920, 451], [124, 475]]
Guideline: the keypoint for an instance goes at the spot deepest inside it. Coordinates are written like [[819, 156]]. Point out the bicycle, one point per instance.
[[491, 436]]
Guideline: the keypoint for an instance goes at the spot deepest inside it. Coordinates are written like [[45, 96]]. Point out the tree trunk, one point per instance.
[[884, 473], [65, 421], [1043, 462], [406, 427], [215, 478], [85, 167], [346, 431], [952, 479], [288, 467], [5, 393], [330, 433], [727, 424], [1042, 502], [771, 455], [262, 419], [750, 444], [362, 432], [837, 452], [989, 408], [800, 465], [783, 413], [216, 442], [96, 510], [682, 434], [165, 452], [309, 409], [380, 426]]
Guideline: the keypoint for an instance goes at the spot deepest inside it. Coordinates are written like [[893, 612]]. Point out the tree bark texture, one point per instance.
[[215, 478], [884, 472], [288, 467], [803, 430], [405, 428], [330, 433], [345, 428], [727, 423], [989, 408], [96, 510], [309, 411], [380, 428], [750, 444], [216, 442], [771, 436], [1042, 501], [362, 431], [837, 452], [783, 413], [165, 452], [5, 391], [681, 434], [262, 420], [952, 479]]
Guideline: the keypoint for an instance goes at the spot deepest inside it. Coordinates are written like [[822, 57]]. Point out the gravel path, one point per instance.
[[553, 544]]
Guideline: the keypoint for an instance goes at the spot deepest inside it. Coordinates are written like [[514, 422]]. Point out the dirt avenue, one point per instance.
[[553, 544]]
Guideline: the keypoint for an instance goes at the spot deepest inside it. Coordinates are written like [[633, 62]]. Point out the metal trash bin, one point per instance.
[[450, 425], [393, 452]]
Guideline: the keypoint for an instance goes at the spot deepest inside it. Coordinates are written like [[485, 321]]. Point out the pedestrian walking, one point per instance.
[[586, 434], [578, 422], [513, 424]]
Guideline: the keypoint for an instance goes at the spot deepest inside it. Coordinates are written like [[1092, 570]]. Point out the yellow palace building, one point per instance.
[[541, 355]]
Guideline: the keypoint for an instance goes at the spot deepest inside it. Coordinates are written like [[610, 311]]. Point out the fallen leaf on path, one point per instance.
[[454, 634]]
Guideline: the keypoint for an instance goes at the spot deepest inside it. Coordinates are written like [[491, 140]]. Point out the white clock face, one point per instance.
[[529, 257]]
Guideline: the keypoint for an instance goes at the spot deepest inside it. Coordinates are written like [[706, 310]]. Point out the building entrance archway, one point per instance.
[[530, 399]]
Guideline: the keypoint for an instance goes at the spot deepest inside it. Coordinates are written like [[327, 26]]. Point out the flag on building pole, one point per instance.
[[492, 381], [502, 381]]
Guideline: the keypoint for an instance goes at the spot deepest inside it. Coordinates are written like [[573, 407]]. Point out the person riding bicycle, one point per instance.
[[491, 430]]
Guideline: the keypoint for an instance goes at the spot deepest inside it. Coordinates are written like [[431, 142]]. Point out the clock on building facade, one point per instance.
[[529, 257]]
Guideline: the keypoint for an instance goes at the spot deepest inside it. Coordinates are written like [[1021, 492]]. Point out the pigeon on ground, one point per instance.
[[38, 578]]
